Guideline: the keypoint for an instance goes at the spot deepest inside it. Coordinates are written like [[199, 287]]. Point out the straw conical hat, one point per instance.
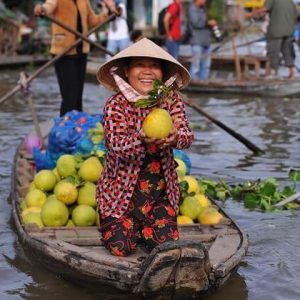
[[142, 48]]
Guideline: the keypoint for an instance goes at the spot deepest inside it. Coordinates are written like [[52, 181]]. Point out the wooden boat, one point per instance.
[[255, 87], [203, 258], [228, 78]]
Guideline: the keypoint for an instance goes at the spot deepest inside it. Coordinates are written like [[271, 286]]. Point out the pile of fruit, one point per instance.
[[64, 196]]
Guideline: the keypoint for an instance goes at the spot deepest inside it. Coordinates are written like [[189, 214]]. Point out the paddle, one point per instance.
[[54, 59], [239, 137]]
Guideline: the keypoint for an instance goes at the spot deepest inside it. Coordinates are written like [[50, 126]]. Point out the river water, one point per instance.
[[271, 268]]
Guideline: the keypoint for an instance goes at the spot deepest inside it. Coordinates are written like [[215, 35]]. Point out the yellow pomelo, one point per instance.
[[183, 220], [45, 180], [52, 196], [70, 223], [158, 124], [32, 187], [97, 222], [33, 218], [83, 215], [55, 172], [181, 166], [66, 192], [66, 165], [209, 216], [190, 207], [23, 205], [204, 201], [90, 169], [87, 194], [35, 198], [193, 184], [54, 213], [30, 210]]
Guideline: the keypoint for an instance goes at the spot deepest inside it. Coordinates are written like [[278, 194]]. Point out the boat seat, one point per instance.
[[257, 62]]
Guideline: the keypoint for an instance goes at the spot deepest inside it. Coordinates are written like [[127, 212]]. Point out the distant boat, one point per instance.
[[203, 258]]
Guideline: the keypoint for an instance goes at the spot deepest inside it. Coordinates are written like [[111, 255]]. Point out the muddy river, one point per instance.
[[271, 268]]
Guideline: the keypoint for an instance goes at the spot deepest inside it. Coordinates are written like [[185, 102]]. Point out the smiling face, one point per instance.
[[142, 72]]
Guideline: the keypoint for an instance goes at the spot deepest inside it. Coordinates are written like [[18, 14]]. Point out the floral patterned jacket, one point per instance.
[[126, 151]]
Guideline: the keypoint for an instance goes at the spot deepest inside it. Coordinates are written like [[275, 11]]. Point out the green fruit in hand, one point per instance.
[[158, 124]]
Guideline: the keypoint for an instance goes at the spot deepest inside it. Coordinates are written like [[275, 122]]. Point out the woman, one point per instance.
[[138, 193], [71, 68]]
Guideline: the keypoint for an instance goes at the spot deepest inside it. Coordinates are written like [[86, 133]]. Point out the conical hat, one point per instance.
[[142, 48]]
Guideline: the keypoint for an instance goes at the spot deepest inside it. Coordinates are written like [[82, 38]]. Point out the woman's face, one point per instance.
[[142, 72]]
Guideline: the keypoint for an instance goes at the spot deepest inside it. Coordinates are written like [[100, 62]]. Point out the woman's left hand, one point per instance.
[[169, 141]]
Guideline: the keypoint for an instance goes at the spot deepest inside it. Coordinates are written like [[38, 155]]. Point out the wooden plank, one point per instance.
[[223, 248]]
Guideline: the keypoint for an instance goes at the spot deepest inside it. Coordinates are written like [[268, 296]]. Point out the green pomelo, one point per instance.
[[54, 213], [66, 192], [190, 207], [70, 223], [158, 124], [181, 166], [90, 169], [66, 165], [32, 187], [87, 194], [35, 198], [33, 218], [55, 172], [45, 180], [84, 215], [31, 210]]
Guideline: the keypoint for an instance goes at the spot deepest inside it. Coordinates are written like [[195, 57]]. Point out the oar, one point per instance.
[[54, 59], [287, 200], [239, 137]]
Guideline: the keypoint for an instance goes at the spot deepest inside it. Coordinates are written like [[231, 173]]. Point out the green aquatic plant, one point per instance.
[[256, 194]]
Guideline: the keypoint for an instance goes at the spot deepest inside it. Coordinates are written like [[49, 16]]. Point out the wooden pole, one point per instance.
[[239, 137], [53, 60]]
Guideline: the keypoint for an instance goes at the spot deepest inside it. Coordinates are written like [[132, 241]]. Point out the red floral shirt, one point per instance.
[[126, 151]]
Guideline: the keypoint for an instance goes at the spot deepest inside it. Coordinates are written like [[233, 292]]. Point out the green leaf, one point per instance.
[[288, 191], [251, 201], [236, 192], [265, 205], [268, 189], [294, 175]]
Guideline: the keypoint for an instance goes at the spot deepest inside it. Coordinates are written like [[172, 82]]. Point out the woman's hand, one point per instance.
[[169, 141]]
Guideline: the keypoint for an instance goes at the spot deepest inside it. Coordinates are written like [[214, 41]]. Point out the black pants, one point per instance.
[[70, 71]]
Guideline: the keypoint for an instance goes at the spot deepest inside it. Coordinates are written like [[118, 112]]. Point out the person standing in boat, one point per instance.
[[281, 27], [71, 68], [201, 38], [138, 192]]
